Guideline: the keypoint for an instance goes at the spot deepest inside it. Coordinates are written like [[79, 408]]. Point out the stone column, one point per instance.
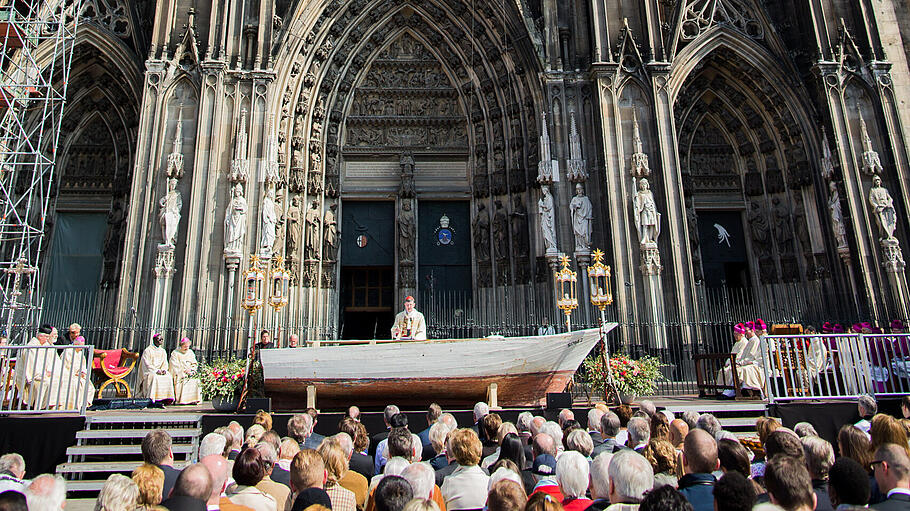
[[164, 278]]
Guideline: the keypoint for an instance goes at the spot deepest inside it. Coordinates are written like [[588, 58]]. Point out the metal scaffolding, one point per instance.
[[36, 48]]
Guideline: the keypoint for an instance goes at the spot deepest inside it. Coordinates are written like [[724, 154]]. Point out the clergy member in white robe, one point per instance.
[[409, 324], [155, 380], [748, 360], [183, 369], [76, 377], [35, 370]]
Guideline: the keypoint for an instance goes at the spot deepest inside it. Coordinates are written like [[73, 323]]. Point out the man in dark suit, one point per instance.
[[892, 473], [787, 481], [156, 450], [387, 414], [819, 458], [639, 434], [191, 491], [609, 427], [541, 444], [433, 413]]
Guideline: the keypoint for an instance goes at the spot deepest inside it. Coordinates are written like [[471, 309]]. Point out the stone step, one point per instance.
[[118, 450], [105, 466], [143, 418], [136, 433], [85, 485]]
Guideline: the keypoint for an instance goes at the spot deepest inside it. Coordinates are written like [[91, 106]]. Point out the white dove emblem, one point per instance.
[[722, 235]]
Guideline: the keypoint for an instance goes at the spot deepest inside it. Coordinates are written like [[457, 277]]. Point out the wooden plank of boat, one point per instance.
[[453, 371]]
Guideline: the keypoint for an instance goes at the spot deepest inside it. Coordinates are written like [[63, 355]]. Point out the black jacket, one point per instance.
[[362, 464], [182, 503], [170, 478], [897, 502]]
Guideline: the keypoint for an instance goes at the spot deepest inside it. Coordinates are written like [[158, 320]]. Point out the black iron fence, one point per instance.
[[510, 312]]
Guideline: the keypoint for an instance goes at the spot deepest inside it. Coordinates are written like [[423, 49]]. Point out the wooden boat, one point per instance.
[[450, 372]]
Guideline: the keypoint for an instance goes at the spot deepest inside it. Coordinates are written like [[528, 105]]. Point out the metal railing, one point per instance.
[[38, 379], [836, 366]]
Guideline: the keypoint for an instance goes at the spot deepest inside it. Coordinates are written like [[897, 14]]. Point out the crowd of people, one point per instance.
[[622, 460]]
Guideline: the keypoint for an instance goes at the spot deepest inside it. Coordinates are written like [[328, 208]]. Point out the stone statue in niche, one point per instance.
[[406, 232], [758, 227], [500, 233], [280, 234], [782, 229], [294, 229], [330, 238], [547, 219], [519, 226], [269, 221], [647, 219], [235, 222], [837, 217], [115, 220], [169, 213], [481, 233], [407, 189], [883, 206], [582, 217], [313, 217]]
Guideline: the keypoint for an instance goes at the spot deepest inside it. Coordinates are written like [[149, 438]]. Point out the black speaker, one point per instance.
[[254, 404], [557, 400]]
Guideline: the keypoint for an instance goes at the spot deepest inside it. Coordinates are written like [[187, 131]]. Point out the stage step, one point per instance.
[[111, 443], [119, 450], [136, 433]]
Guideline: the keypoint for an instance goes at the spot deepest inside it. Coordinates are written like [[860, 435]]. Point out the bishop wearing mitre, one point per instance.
[[155, 381], [409, 324]]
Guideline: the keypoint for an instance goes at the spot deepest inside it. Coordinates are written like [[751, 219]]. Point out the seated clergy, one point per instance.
[[747, 349], [183, 368], [35, 369], [76, 381], [155, 382]]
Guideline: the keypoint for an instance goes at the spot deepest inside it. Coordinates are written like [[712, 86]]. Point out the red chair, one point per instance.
[[108, 363]]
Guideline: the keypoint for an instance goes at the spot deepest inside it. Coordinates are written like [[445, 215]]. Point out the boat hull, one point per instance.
[[450, 372]]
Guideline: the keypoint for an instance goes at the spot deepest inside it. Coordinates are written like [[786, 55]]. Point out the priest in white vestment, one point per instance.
[[409, 324], [155, 380], [183, 369], [76, 375], [35, 369], [748, 360]]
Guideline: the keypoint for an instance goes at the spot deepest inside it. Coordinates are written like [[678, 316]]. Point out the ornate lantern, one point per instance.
[[599, 277], [280, 280], [252, 290], [567, 290]]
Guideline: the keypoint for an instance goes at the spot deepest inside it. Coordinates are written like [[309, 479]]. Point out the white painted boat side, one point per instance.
[[432, 359]]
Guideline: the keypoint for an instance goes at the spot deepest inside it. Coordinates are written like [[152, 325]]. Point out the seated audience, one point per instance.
[[490, 425], [253, 435], [630, 478], [192, 490], [149, 481], [663, 459], [249, 470], [709, 424], [278, 491], [300, 427], [678, 431], [12, 500], [307, 472], [46, 493], [506, 495], [892, 473], [351, 480], [788, 483], [119, 493], [848, 484], [218, 468], [466, 487], [156, 450], [155, 381], [690, 417], [433, 413], [579, 440], [867, 408], [394, 492], [885, 429], [281, 473], [335, 462], [733, 492], [804, 429], [572, 475], [600, 482], [733, 457], [438, 433], [660, 427], [594, 417], [12, 471], [213, 443], [699, 463], [264, 419], [664, 498], [819, 457], [358, 462]]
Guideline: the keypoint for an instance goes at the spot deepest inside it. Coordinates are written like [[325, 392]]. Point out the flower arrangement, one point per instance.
[[630, 377], [223, 377]]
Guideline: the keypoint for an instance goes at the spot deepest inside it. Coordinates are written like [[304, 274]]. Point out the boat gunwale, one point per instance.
[[337, 343]]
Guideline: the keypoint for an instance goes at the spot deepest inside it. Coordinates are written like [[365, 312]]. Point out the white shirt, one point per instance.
[[622, 437]]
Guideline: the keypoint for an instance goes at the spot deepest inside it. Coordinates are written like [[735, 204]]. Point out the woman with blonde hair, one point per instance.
[[886, 429], [119, 493], [264, 419], [253, 434], [541, 501], [420, 505], [150, 481], [336, 466]]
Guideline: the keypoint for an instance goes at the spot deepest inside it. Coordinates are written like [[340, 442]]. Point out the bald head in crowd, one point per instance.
[[218, 471], [194, 481], [700, 453], [544, 444], [678, 431]]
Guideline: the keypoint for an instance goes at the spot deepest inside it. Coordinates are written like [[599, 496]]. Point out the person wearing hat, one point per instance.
[[155, 381], [183, 366], [409, 324], [747, 349]]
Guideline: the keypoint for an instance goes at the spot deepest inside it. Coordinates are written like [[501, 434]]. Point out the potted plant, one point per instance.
[[631, 378], [221, 381]]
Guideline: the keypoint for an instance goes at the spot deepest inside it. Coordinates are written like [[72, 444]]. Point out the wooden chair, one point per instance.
[[107, 365], [11, 398], [707, 368], [790, 360]]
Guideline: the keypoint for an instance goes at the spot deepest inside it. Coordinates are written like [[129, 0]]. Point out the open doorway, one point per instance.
[[367, 302]]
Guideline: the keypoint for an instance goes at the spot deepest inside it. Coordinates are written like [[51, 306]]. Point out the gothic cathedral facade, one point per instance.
[[456, 149]]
